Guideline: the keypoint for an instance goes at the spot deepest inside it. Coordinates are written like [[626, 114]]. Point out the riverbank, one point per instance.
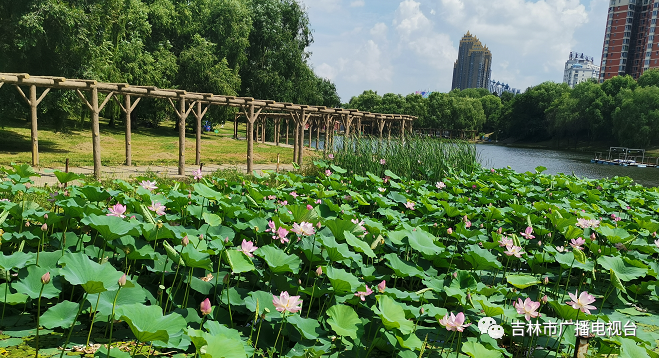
[[585, 147]]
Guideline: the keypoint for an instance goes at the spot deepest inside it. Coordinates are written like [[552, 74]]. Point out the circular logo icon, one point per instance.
[[495, 331], [485, 323]]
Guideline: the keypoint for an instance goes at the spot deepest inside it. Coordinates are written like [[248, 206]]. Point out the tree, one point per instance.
[[636, 120], [615, 84], [368, 101], [492, 109], [649, 78]]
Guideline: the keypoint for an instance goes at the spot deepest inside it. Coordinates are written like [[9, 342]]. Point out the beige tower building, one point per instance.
[[474, 64]]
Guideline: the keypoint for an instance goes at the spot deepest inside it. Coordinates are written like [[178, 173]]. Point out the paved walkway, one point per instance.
[[123, 172]]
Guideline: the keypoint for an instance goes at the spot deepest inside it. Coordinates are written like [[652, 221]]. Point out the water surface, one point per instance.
[[577, 163]]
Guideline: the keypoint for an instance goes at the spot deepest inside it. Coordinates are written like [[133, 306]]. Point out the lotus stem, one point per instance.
[[36, 354], [68, 337]]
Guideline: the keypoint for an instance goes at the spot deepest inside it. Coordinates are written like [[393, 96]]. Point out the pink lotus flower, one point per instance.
[[148, 185], [331, 156], [359, 223], [582, 302], [383, 162], [197, 174], [205, 307], [454, 322], [248, 247], [304, 228], [528, 308], [560, 248], [577, 243], [158, 208], [506, 241], [656, 242], [117, 210], [286, 303], [449, 231], [527, 233], [410, 205], [362, 295], [272, 197], [294, 194], [328, 172], [281, 235], [583, 223], [309, 207], [467, 224], [382, 286], [514, 251], [440, 185], [544, 299], [271, 226], [382, 190]]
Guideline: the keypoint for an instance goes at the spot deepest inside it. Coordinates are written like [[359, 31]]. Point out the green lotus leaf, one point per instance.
[[264, 300], [61, 315], [17, 298], [110, 227], [277, 260], [336, 251], [238, 261], [194, 258], [148, 324], [402, 268], [344, 320], [30, 283], [343, 281], [17, 260], [94, 278], [358, 244], [309, 328], [393, 315], [522, 281], [477, 350], [622, 270], [127, 296]]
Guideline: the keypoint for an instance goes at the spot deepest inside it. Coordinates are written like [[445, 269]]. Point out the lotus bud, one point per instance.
[[319, 271], [654, 234], [185, 241], [539, 243], [465, 219], [122, 281], [225, 280], [201, 236], [45, 279], [544, 299], [205, 307], [28, 185], [45, 216], [545, 280], [382, 286], [449, 231], [435, 224], [500, 230], [27, 224], [44, 227], [481, 226], [309, 207], [318, 225], [593, 236], [455, 274], [422, 311], [226, 240]]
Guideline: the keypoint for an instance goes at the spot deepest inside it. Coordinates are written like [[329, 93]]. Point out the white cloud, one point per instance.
[[368, 65], [326, 71], [380, 29], [410, 19], [358, 3], [523, 32]]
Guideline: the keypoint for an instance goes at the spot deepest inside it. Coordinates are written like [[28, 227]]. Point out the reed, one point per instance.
[[418, 157]]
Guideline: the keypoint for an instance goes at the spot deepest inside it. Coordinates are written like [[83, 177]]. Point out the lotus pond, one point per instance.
[[485, 264]]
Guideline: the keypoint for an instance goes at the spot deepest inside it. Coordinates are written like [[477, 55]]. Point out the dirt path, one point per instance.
[[123, 172]]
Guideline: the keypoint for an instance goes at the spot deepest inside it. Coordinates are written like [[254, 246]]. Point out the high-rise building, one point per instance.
[[629, 46], [579, 68], [499, 88], [474, 64]]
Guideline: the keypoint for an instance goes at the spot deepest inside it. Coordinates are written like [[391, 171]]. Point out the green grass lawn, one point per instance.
[[150, 146]]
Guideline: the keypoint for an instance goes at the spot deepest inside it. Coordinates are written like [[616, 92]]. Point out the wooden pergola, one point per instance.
[[256, 112]]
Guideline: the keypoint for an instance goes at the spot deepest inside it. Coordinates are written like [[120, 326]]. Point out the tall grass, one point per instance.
[[417, 157]]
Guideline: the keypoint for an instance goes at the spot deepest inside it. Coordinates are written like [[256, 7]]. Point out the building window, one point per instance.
[[651, 37], [647, 62], [654, 21], [628, 27]]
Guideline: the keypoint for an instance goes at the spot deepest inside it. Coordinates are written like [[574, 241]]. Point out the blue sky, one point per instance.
[[403, 46]]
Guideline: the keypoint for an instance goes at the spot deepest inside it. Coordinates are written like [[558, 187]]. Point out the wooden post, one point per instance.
[[263, 121], [296, 131], [326, 122], [235, 127], [310, 132], [359, 127], [302, 118], [183, 111], [128, 108], [287, 131], [96, 130], [252, 116], [277, 129], [33, 102], [199, 114], [317, 132]]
